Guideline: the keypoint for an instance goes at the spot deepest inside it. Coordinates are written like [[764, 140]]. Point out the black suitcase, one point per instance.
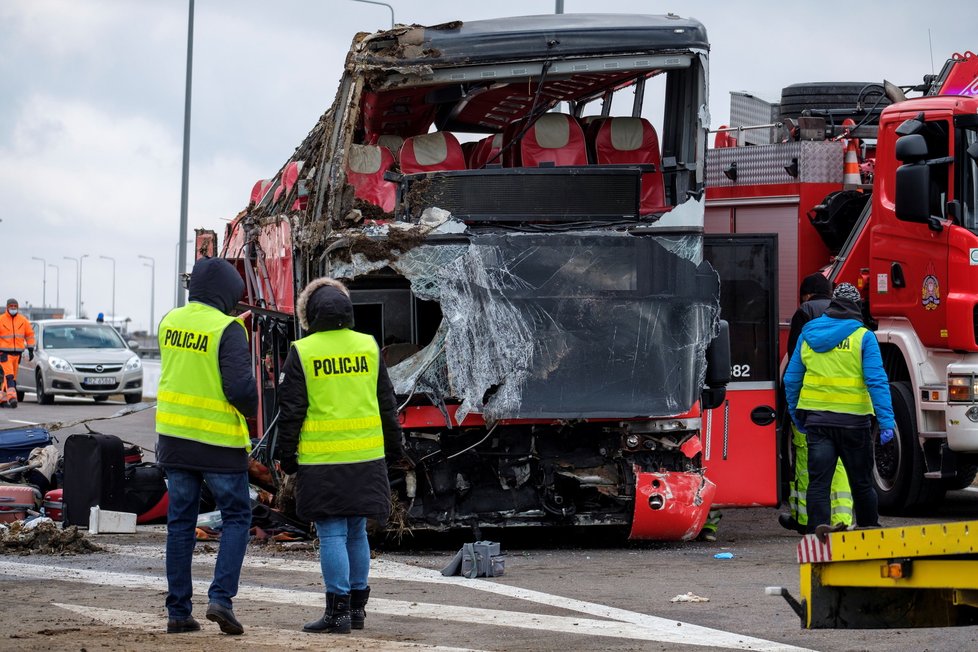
[[145, 490], [95, 474], [17, 443]]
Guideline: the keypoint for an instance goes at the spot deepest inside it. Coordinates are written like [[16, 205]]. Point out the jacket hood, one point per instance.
[[324, 305], [839, 321], [817, 286], [215, 282]]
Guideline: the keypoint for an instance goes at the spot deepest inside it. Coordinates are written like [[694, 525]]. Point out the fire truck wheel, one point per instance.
[[899, 467]]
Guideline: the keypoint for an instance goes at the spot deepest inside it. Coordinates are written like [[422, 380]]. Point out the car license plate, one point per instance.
[[100, 380]]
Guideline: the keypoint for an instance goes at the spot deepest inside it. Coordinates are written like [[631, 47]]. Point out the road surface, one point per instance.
[[561, 591]]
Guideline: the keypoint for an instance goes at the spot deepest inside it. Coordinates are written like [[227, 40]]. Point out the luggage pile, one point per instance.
[[97, 470], [29, 463], [102, 484]]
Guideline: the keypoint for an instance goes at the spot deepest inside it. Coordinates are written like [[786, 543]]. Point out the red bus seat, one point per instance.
[[432, 153], [365, 168], [259, 189], [290, 175], [633, 140], [393, 142], [486, 152], [555, 138]]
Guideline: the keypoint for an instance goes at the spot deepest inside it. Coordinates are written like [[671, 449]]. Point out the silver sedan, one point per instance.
[[79, 358]]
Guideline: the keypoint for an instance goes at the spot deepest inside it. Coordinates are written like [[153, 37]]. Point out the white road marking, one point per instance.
[[647, 627], [26, 423], [268, 636]]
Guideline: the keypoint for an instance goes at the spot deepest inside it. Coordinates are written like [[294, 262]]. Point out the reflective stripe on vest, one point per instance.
[[342, 423], [834, 379], [190, 401]]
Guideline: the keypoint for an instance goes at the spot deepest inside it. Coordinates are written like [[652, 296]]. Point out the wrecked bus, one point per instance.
[[528, 251]]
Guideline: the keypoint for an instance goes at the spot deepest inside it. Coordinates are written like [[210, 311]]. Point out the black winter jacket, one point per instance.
[[806, 312], [216, 283], [327, 490]]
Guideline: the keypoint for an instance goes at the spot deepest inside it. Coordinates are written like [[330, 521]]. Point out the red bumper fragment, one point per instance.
[[670, 506]]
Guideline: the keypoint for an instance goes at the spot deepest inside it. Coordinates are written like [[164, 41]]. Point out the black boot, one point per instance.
[[358, 603], [336, 618]]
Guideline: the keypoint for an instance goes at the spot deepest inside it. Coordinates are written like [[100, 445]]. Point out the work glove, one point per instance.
[[30, 353], [289, 466], [886, 435]]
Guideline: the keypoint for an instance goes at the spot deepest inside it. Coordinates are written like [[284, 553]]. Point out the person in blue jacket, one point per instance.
[[834, 385]]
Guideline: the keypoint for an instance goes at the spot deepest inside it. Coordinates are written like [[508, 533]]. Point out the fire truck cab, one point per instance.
[[908, 240]]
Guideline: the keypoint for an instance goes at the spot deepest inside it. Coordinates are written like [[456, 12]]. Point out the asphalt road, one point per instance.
[[561, 591]]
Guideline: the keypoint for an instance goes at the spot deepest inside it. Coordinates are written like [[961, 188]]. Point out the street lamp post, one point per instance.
[[382, 4], [152, 291], [182, 250], [81, 261], [77, 293], [57, 285], [113, 283], [178, 288], [44, 281]]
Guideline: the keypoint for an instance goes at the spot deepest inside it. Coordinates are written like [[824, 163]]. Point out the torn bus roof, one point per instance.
[[526, 37]]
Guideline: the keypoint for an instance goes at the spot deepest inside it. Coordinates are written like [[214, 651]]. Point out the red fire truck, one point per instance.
[[905, 232]]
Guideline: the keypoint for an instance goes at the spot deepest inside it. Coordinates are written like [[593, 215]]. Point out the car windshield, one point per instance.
[[82, 336]]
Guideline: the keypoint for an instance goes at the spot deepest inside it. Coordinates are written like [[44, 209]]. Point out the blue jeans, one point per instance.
[[230, 491], [344, 553], [855, 447]]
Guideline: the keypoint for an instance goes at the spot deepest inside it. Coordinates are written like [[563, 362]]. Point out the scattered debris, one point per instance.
[[689, 597], [723, 555], [44, 538], [478, 559]]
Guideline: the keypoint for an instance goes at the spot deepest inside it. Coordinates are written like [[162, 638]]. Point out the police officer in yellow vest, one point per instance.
[[337, 424], [815, 295], [206, 389], [834, 384]]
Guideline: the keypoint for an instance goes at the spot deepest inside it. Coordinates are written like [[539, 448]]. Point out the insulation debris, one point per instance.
[[689, 597], [44, 538]]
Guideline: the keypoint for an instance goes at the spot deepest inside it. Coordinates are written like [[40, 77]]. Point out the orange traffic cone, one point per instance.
[[850, 166], [848, 124]]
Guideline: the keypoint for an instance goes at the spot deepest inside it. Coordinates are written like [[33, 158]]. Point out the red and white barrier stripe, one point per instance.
[[813, 551]]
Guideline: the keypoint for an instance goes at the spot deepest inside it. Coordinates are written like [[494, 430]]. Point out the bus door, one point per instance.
[[741, 449]]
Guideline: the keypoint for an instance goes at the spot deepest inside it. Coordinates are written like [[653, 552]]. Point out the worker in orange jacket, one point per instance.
[[16, 335]]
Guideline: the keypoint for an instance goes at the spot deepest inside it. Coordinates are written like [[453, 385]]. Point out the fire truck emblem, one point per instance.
[[931, 293]]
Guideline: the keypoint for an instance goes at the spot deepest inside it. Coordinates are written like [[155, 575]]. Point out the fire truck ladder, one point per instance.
[[915, 576]]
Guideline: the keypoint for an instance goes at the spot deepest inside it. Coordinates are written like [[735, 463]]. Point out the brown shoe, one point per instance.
[[182, 626], [224, 617]]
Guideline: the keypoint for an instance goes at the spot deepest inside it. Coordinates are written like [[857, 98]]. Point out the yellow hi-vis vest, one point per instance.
[[190, 401], [834, 379], [342, 424]]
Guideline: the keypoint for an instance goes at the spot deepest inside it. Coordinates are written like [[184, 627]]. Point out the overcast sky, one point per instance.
[[91, 107]]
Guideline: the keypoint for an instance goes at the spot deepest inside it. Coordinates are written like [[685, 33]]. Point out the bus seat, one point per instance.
[[365, 168], [633, 140], [555, 138], [432, 152]]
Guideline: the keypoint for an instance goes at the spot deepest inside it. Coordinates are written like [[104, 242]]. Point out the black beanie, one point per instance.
[[816, 285]]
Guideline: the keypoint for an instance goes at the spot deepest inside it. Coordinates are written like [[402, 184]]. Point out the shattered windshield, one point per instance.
[[560, 325]]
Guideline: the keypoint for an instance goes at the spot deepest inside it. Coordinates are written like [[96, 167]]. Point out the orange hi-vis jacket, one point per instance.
[[16, 333]]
